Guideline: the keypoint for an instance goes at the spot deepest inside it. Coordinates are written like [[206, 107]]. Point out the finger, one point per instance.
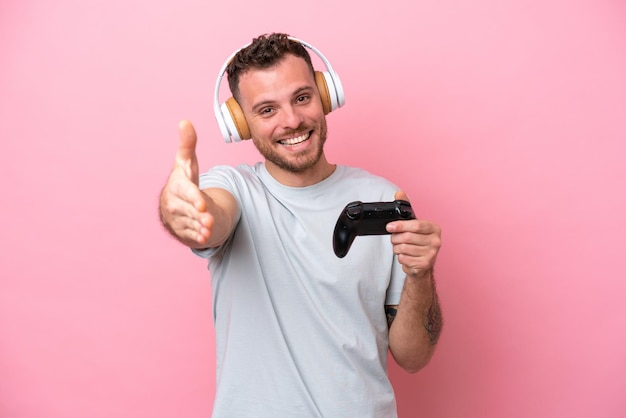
[[199, 228], [418, 226], [188, 192], [189, 230], [417, 255], [416, 245], [410, 238], [401, 195], [186, 221], [193, 227]]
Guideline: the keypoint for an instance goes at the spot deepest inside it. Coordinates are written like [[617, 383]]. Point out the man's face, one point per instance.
[[284, 112]]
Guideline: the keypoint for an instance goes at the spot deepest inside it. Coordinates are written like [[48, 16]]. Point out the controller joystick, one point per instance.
[[359, 218]]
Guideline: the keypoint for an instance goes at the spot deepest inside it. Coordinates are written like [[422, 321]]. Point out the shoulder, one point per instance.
[[229, 177], [364, 179]]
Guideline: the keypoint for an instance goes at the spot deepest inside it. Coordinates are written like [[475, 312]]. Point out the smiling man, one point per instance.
[[299, 331], [286, 120]]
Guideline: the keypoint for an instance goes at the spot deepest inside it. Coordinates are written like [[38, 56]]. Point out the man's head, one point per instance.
[[277, 99], [264, 52]]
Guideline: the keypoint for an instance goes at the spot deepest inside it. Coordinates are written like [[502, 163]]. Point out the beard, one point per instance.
[[299, 162]]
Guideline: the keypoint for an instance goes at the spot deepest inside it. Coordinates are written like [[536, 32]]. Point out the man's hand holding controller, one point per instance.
[[415, 242]]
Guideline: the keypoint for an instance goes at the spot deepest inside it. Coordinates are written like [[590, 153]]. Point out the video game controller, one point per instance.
[[359, 218]]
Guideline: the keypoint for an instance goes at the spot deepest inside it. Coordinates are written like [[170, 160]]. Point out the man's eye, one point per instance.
[[302, 99], [266, 111]]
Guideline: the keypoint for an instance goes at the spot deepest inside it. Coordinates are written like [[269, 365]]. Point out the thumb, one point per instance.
[[188, 139], [401, 195], [186, 155]]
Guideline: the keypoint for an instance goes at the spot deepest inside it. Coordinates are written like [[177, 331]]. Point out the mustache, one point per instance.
[[301, 128]]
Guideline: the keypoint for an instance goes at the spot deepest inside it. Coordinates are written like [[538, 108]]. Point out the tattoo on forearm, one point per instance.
[[391, 311], [433, 322]]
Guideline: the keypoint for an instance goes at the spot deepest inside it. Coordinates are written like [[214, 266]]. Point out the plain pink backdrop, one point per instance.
[[505, 121]]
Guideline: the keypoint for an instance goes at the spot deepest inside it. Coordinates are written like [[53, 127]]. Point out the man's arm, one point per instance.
[[416, 322], [197, 218]]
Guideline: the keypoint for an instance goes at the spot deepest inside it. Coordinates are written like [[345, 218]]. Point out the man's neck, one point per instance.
[[309, 177]]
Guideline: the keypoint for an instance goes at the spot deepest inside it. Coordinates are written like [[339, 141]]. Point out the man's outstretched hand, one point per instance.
[[183, 206]]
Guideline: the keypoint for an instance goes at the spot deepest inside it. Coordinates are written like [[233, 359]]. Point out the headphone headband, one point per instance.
[[231, 122]]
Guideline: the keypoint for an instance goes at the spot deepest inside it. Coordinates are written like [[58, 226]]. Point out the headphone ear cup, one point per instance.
[[235, 119], [325, 94], [331, 90]]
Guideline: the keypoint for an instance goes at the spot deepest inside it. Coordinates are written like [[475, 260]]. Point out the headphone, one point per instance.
[[229, 114]]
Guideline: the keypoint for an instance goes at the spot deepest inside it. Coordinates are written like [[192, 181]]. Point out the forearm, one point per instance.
[[416, 326]]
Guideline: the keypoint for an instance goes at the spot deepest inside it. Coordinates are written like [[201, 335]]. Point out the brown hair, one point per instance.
[[264, 52]]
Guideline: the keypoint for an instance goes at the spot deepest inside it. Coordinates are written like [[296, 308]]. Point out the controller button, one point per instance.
[[353, 211]]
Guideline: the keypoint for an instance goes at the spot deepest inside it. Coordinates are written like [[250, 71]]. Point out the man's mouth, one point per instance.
[[295, 140]]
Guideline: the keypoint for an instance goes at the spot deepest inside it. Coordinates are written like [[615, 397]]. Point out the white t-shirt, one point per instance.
[[299, 331]]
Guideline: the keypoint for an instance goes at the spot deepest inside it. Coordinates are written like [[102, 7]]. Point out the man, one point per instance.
[[299, 331]]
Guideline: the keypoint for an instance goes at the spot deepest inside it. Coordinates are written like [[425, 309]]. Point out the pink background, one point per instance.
[[505, 121]]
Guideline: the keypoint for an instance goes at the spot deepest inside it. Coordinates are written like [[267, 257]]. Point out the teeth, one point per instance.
[[296, 140]]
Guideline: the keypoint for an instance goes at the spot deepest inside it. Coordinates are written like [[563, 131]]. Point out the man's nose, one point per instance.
[[291, 117]]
